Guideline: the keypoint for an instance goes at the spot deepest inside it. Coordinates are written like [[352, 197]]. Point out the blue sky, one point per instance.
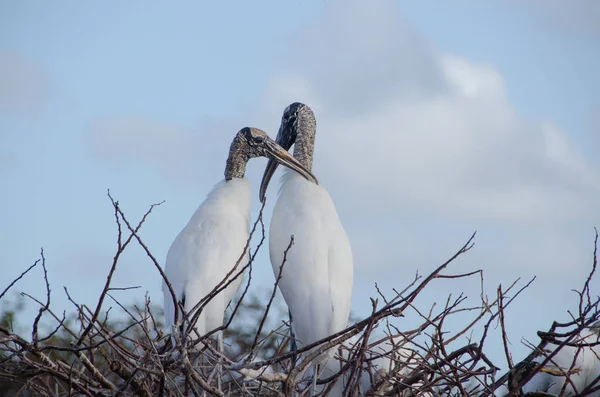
[[434, 120]]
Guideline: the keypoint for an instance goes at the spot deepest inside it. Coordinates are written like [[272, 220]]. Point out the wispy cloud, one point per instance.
[[179, 153], [24, 86]]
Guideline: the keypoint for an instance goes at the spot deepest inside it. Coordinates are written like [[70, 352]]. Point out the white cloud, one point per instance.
[[24, 86], [423, 129], [360, 52], [464, 156]]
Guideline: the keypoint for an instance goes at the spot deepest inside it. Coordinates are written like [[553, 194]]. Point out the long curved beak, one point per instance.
[[278, 155], [269, 171]]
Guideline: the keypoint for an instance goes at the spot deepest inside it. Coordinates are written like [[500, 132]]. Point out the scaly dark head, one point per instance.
[[298, 123], [288, 129], [253, 142]]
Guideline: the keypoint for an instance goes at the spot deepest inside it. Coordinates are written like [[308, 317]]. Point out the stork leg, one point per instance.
[[313, 390], [220, 359], [293, 344]]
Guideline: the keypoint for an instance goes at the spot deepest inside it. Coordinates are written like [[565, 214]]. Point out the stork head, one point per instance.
[[297, 119], [253, 142], [298, 126]]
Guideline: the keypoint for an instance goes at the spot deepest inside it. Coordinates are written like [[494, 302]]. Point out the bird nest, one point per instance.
[[90, 354]]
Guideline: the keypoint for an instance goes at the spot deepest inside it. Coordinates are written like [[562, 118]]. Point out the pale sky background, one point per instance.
[[434, 120]]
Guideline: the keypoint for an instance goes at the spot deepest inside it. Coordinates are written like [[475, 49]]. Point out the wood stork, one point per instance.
[[317, 277], [212, 242], [582, 364]]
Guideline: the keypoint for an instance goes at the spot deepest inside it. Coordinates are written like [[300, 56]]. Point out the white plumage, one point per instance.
[[207, 249], [211, 244], [318, 275]]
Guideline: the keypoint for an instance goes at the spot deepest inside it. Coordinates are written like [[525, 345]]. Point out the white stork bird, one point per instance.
[[582, 364], [318, 274], [214, 239]]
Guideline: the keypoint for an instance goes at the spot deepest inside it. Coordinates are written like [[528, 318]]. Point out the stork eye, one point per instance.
[[258, 138]]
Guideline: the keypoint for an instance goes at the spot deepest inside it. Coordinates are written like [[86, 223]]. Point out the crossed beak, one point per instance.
[[278, 155]]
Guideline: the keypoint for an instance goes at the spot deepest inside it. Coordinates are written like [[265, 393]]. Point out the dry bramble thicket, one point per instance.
[[91, 354]]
